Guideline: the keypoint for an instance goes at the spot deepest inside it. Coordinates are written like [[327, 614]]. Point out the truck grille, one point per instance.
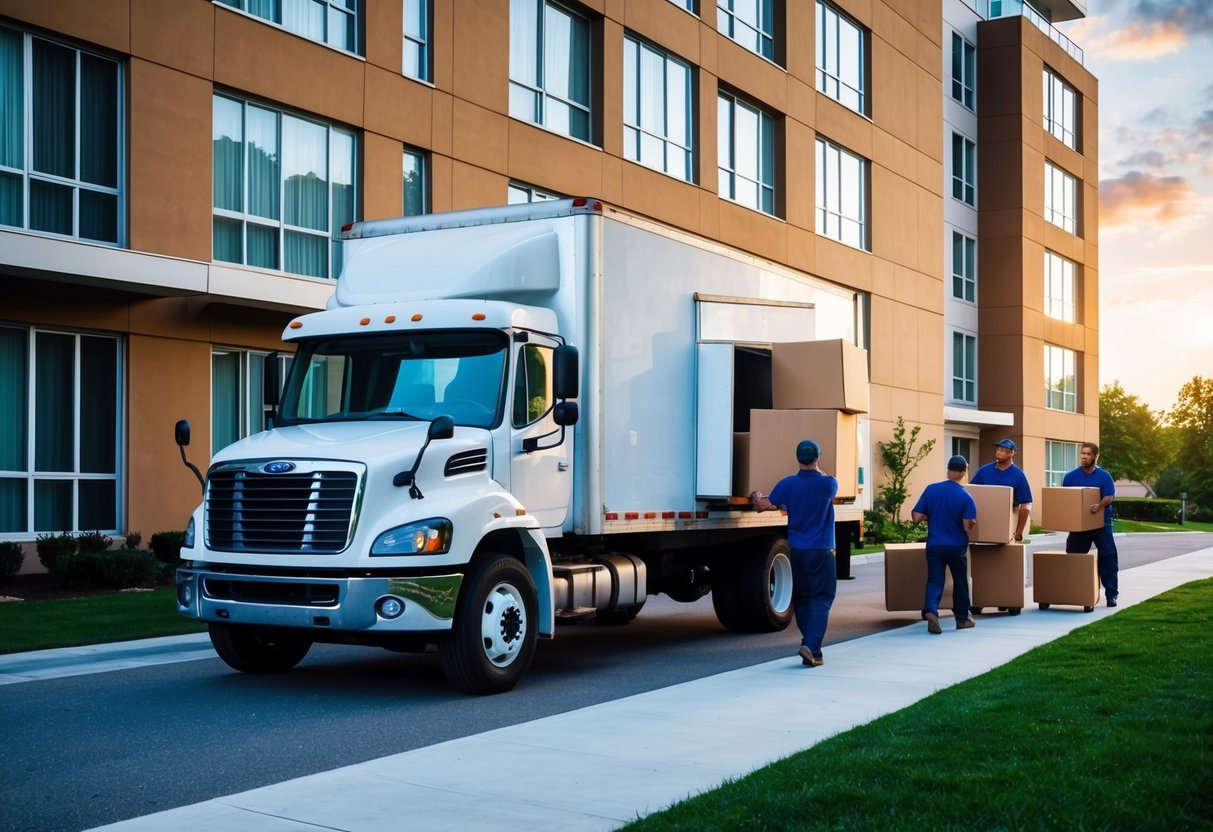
[[309, 511]]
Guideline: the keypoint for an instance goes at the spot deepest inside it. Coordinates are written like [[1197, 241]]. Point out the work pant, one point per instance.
[[939, 559], [814, 583], [1107, 561]]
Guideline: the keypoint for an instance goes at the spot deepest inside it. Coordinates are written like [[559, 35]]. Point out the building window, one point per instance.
[[842, 195], [518, 193], [749, 22], [61, 405], [745, 153], [1060, 110], [334, 22], [1059, 287], [964, 169], [416, 183], [964, 368], [841, 58], [417, 16], [62, 143], [689, 5], [1061, 380], [1060, 459], [964, 71], [964, 267], [550, 67], [1061, 198], [656, 109], [963, 446], [238, 394], [283, 187]]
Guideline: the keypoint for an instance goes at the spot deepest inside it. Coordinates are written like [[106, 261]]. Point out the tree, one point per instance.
[[1192, 421], [900, 459], [1133, 444]]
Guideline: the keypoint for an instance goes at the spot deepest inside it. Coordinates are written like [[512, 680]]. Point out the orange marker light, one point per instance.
[[416, 316], [364, 322], [390, 319], [478, 316], [296, 324]]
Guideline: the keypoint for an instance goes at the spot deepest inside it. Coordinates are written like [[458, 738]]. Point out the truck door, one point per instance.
[[541, 479]]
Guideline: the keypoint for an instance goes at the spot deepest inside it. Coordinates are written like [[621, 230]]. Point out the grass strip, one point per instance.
[[71, 622], [1107, 728]]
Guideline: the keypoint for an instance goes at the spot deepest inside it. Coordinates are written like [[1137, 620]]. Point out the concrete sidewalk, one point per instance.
[[601, 766]]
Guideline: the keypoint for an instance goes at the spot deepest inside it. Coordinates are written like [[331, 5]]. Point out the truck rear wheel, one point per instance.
[[752, 591], [252, 649], [492, 638]]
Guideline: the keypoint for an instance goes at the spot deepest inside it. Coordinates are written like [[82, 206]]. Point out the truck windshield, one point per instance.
[[408, 377]]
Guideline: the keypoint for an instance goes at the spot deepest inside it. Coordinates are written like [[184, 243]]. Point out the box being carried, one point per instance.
[[812, 375], [1069, 509], [995, 516], [998, 575], [768, 453], [905, 578], [1065, 578]]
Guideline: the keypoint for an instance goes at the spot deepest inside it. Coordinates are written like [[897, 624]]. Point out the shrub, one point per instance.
[[51, 547], [880, 528], [166, 546], [1146, 510], [134, 539], [12, 556], [93, 542], [116, 569]]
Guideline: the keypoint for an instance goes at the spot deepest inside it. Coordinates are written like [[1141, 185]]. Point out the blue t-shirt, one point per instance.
[[808, 498], [1098, 478], [947, 505], [989, 474]]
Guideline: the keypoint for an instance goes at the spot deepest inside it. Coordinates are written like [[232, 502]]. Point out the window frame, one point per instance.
[[1065, 453], [523, 385], [732, 26], [1061, 287], [1061, 112], [964, 367], [1059, 184], [1061, 391], [26, 170], [250, 399], [84, 400], [541, 95], [635, 102], [331, 8], [830, 206], [727, 155], [829, 57], [964, 278], [422, 189], [964, 71], [531, 193], [964, 169], [419, 42]]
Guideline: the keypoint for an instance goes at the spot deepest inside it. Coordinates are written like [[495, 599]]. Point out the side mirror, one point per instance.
[[565, 373], [271, 381], [182, 432], [443, 427], [565, 413]]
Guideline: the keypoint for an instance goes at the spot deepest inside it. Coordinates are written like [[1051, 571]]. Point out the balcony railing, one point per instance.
[[994, 9]]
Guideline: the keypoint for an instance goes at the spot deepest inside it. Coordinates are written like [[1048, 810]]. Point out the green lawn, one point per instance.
[[1109, 727], [69, 622]]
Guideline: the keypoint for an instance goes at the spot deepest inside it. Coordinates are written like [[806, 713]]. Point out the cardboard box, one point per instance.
[[819, 375], [995, 517], [905, 578], [769, 454], [1069, 509], [1065, 578], [998, 575]]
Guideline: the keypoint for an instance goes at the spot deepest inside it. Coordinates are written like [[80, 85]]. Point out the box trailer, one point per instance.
[[505, 418]]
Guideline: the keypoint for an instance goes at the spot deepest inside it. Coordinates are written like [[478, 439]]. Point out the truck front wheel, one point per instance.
[[492, 638], [258, 649]]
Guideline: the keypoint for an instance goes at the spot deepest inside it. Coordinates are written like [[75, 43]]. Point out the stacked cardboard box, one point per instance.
[[998, 575], [995, 517], [1069, 509], [905, 578], [1065, 578], [819, 375]]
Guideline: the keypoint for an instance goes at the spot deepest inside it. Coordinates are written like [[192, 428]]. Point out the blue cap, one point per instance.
[[1006, 443], [807, 451], [958, 463]]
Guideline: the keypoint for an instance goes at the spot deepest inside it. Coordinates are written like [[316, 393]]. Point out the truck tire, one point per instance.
[[756, 589], [492, 638], [252, 649]]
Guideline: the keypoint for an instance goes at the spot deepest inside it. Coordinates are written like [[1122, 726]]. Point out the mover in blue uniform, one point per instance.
[[1004, 471], [1092, 476], [808, 498], [950, 514]]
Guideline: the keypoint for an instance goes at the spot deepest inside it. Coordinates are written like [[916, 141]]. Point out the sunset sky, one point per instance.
[[1154, 62]]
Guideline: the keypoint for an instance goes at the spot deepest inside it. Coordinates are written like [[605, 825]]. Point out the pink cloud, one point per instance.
[[1143, 197]]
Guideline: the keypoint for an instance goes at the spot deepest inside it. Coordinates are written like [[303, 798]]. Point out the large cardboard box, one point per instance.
[[995, 518], [998, 575], [905, 578], [1069, 509], [819, 375], [1065, 578], [769, 454]]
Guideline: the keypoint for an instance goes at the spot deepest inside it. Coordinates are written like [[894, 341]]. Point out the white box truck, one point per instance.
[[429, 480]]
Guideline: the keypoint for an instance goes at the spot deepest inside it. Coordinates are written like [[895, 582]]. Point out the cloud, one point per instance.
[[1151, 29], [1137, 198]]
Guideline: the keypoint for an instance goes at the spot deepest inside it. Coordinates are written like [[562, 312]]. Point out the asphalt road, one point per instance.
[[87, 750]]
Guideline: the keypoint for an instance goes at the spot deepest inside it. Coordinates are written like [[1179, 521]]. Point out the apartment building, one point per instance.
[[174, 176]]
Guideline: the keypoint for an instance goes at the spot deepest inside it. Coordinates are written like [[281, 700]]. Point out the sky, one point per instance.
[[1154, 62]]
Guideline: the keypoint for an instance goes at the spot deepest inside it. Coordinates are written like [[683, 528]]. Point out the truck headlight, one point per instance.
[[425, 537], [188, 541]]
